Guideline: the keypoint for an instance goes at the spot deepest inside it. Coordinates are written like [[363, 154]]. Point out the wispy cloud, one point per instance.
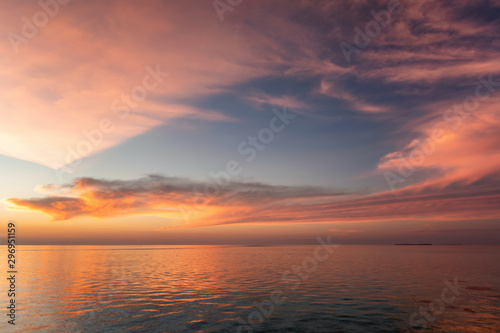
[[158, 195], [46, 86], [289, 102], [240, 202]]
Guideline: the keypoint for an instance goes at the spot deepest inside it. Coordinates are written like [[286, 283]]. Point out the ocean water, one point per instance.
[[255, 289]]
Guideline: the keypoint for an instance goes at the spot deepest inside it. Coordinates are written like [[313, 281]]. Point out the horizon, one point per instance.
[[253, 245], [250, 244]]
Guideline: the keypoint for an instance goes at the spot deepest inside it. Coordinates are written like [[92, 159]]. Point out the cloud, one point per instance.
[[330, 88], [185, 203], [455, 146], [343, 232], [158, 195], [283, 101], [50, 94], [66, 79]]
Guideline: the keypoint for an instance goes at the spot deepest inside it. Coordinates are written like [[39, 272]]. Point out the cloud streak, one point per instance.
[[46, 86], [242, 202]]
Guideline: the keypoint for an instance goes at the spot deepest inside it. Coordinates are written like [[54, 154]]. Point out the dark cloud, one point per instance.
[[240, 202], [156, 194]]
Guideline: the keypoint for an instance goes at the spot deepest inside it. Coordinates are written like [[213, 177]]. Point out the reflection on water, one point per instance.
[[217, 288]]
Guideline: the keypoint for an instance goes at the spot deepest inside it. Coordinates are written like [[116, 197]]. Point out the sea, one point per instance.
[[300, 288]]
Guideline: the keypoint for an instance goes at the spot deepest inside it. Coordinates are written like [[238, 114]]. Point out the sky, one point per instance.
[[250, 122]]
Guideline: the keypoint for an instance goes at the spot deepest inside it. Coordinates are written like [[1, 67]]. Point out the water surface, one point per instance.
[[215, 289]]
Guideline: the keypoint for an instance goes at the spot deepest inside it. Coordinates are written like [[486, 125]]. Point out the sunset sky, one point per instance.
[[201, 122]]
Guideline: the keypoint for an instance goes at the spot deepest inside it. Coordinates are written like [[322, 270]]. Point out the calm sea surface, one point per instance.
[[257, 288]]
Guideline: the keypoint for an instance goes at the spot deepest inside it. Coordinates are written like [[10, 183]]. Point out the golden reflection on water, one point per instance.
[[207, 288]]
